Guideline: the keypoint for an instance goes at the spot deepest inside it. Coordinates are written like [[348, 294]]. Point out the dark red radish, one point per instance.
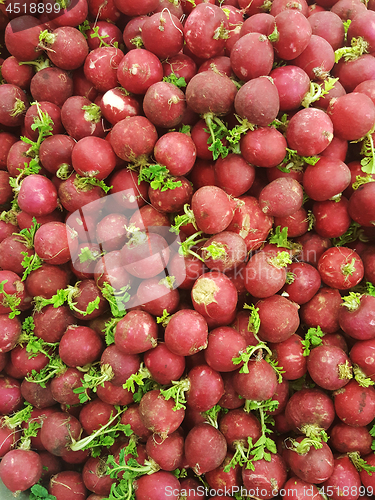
[[211, 41], [66, 47], [145, 255], [150, 219], [11, 257], [281, 197], [111, 232], [95, 478], [114, 394], [171, 200], [328, 25], [303, 283], [24, 362], [6, 142], [224, 251], [56, 152], [11, 330], [67, 485], [312, 247], [132, 34], [132, 137], [14, 105], [258, 101], [289, 355], [176, 151], [181, 65], [361, 354], [136, 332], [271, 310], [340, 267], [186, 333], [292, 84], [156, 296], [267, 478], [314, 465], [237, 426], [58, 432], [214, 295], [20, 469], [156, 485], [252, 56], [354, 108], [122, 365], [355, 405], [220, 64], [138, 70], [323, 310], [280, 5], [106, 30], [332, 219], [131, 416], [259, 383], [212, 209], [315, 179], [308, 411], [82, 87], [355, 318], [53, 85], [363, 197], [81, 118], [162, 34], [262, 22], [347, 439], [22, 37], [9, 437], [230, 399], [79, 346], [337, 90], [337, 367], [263, 147], [132, 10], [40, 397], [201, 93], [53, 241], [100, 67], [309, 132], [205, 459], [158, 414], [164, 365], [234, 174], [201, 137], [218, 479], [289, 44]]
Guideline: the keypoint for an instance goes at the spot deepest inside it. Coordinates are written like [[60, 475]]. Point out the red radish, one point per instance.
[[136, 332], [234, 175], [268, 476], [32, 114], [218, 479], [252, 56], [100, 67], [331, 217], [171, 200], [13, 105], [258, 101], [205, 204], [292, 84], [281, 197], [201, 93], [363, 197], [176, 151], [224, 344], [328, 25], [132, 137], [259, 383], [164, 104], [265, 265], [117, 104], [156, 485], [162, 34], [315, 179], [66, 47], [46, 280], [56, 152], [289, 355], [313, 465], [224, 251], [20, 469], [280, 5], [138, 70], [127, 192], [297, 488], [93, 157], [211, 41], [312, 247], [346, 439], [22, 37], [181, 65], [158, 415], [95, 478], [272, 308], [337, 367], [309, 132], [354, 108], [263, 147], [355, 405], [156, 296], [186, 333], [53, 85], [214, 296], [24, 363], [63, 385], [58, 431], [340, 267], [105, 29], [53, 242], [303, 284], [317, 59], [355, 319], [219, 64], [89, 342], [164, 365], [288, 45], [167, 453], [323, 310], [11, 399], [81, 118], [67, 485], [361, 354], [132, 10], [200, 459]]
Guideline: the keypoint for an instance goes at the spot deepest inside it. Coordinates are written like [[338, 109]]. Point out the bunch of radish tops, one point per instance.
[[187, 249]]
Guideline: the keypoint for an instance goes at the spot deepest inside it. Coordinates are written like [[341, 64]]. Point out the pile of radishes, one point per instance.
[[187, 249]]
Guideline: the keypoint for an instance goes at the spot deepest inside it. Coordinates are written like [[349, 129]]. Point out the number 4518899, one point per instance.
[[33, 8]]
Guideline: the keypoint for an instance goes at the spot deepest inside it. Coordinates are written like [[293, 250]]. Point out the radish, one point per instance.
[[22, 37], [323, 310], [292, 84], [204, 205], [167, 453], [338, 369], [186, 332], [289, 355], [58, 432], [310, 464], [328, 25], [67, 485], [138, 70], [268, 476], [355, 405], [162, 34], [53, 85], [20, 469], [200, 459], [13, 105], [314, 179], [288, 45], [133, 137], [252, 56], [66, 47], [345, 477], [164, 365], [100, 67], [340, 267], [271, 308], [136, 333], [355, 318], [158, 414], [219, 479], [273, 199], [176, 151], [346, 439]]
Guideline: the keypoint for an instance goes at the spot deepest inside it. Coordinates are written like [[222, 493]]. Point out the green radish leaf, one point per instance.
[[313, 338]]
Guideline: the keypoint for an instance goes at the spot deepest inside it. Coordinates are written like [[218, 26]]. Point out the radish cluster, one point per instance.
[[187, 249]]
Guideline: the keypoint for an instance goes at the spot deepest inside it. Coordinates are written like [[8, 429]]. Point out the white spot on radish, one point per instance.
[[113, 100]]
